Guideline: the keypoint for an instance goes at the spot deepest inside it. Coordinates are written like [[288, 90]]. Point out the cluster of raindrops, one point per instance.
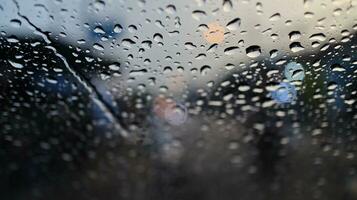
[[286, 91]]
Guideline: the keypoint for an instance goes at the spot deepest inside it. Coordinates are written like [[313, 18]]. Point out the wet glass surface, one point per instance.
[[189, 99]]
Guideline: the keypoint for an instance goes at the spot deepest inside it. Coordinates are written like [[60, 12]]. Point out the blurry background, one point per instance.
[[159, 99]]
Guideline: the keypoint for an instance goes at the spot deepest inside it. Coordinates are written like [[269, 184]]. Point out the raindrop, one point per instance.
[[275, 17], [244, 88], [98, 47], [259, 8], [15, 23], [170, 9], [201, 56], [229, 66], [146, 44], [132, 28], [227, 5], [198, 14], [318, 36], [294, 71], [12, 39], [337, 68], [332, 85], [118, 28], [294, 35], [158, 37], [296, 47], [16, 65], [253, 51], [51, 80], [127, 42], [115, 66], [231, 50], [99, 29], [309, 15], [273, 53], [99, 5], [234, 24], [205, 69], [190, 45], [139, 72]]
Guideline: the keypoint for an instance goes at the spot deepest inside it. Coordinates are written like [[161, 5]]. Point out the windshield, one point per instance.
[[189, 99]]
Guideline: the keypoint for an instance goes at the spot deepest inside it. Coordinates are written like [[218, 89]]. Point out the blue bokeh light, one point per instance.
[[285, 93]]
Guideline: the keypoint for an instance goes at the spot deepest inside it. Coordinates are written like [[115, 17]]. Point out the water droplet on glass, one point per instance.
[[231, 50], [294, 72], [234, 24], [275, 17], [205, 69], [296, 47], [115, 66], [16, 65], [337, 68], [198, 14], [253, 51], [158, 37], [170, 9], [118, 28], [227, 5], [15, 23], [294, 35], [99, 29], [318, 36], [98, 47]]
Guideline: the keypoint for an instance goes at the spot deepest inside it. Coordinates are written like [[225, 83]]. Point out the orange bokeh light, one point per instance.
[[214, 34]]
